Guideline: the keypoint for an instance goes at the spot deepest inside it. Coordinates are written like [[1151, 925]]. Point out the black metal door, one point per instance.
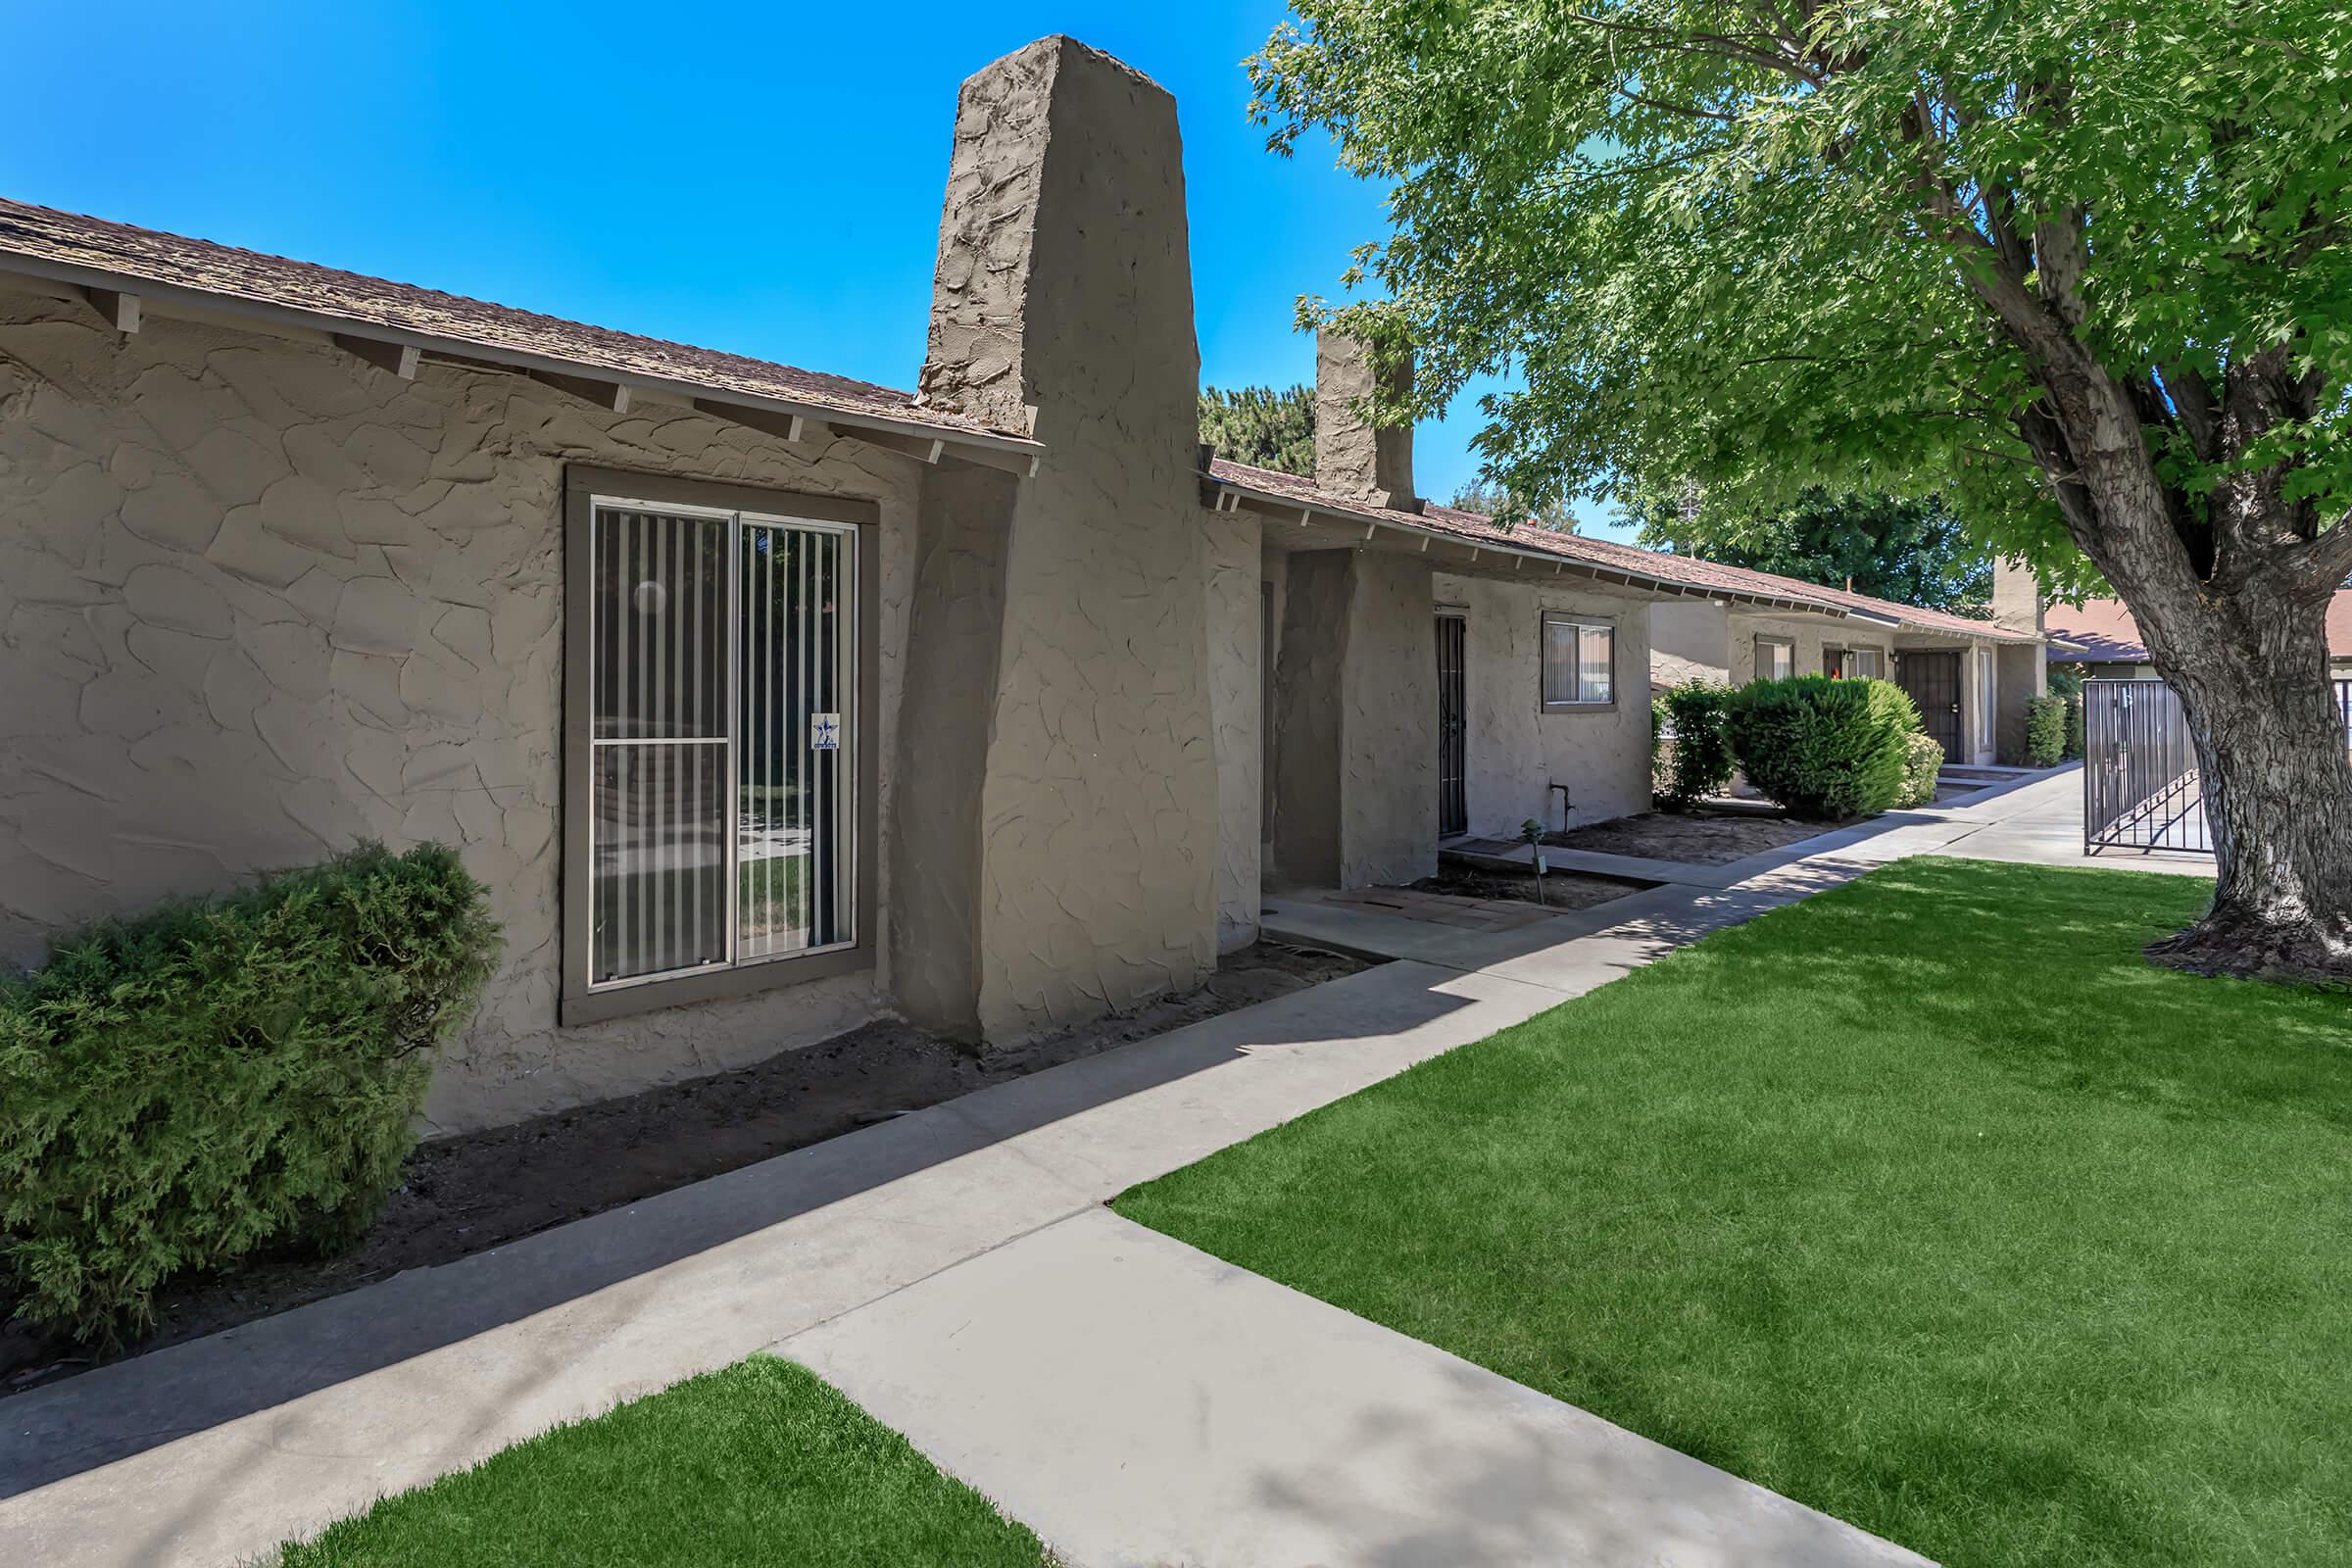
[[1933, 682], [1453, 725]]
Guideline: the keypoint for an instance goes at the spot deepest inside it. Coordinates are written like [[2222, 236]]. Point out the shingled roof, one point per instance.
[[2101, 631], [1678, 572], [71, 248]]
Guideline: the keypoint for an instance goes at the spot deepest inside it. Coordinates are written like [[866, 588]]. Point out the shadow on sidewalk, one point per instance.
[[129, 1407]]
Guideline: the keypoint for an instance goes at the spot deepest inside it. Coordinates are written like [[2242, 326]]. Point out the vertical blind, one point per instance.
[[1578, 660], [722, 666]]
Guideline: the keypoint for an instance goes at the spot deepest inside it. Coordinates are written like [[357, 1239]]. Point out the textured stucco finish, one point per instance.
[[1353, 458], [258, 601], [1237, 705], [1064, 286], [1515, 750], [954, 646], [1355, 798], [1810, 637]]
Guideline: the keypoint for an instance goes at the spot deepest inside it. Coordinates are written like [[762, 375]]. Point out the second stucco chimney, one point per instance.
[[2016, 597], [1353, 458]]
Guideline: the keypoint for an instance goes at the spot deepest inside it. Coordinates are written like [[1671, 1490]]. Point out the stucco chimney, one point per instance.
[[2016, 596], [1353, 458], [1057, 662]]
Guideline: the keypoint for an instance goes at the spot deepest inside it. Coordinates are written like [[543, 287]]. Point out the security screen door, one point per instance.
[[724, 729]]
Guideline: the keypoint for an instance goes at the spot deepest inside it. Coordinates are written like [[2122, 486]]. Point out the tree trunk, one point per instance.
[[2252, 674]]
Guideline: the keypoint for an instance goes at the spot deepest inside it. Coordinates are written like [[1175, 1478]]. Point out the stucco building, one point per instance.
[[762, 700], [1971, 678]]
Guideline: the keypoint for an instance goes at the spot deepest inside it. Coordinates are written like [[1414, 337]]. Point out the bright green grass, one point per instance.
[[1926, 1202], [759, 1463]]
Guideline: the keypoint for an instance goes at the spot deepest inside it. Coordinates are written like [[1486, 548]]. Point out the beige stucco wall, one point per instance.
[[1690, 639], [258, 601], [1236, 694], [1355, 792], [1515, 750], [1810, 637]]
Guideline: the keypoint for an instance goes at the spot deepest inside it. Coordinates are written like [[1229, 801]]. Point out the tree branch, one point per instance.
[[2193, 402]]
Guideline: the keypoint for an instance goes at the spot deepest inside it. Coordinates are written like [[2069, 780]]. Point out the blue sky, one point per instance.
[[760, 177]]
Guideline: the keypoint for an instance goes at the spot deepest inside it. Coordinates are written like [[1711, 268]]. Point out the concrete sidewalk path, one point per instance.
[[1139, 1402], [214, 1451]]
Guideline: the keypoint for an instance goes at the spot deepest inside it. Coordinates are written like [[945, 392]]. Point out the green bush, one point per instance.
[[1659, 756], [1700, 763], [2072, 749], [1822, 747], [180, 1088], [1923, 760], [2046, 731]]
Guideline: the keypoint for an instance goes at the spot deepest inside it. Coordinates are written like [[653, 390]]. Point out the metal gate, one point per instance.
[[2141, 788], [2139, 770], [1454, 800]]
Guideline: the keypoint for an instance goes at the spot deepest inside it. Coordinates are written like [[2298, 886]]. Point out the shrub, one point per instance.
[[1923, 760], [183, 1087], [1662, 757], [2046, 731], [1700, 763], [2072, 749], [1822, 747]]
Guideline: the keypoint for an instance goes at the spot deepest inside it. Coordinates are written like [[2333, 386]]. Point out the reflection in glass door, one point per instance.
[[796, 596]]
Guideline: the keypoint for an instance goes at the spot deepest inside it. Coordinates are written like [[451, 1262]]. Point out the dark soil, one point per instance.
[[1699, 837], [1562, 890], [462, 1194]]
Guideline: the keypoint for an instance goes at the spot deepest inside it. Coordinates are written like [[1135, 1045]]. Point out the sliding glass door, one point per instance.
[[724, 725]]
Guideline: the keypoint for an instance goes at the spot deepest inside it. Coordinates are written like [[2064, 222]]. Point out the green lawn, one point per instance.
[[1925, 1201], [759, 1463]]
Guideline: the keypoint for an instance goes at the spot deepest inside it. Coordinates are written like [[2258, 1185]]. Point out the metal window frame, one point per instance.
[[857, 521], [1583, 624], [1766, 640]]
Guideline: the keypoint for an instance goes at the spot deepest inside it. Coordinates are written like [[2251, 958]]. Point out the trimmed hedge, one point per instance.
[[1923, 761], [183, 1087], [1700, 763], [2073, 751], [1823, 747], [2046, 731]]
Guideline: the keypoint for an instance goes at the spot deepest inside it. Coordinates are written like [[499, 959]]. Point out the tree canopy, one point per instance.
[[1912, 550], [1490, 498], [1771, 244], [1261, 426]]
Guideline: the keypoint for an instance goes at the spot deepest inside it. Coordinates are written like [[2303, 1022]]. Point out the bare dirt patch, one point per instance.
[[462, 1194], [1698, 838], [1562, 890]]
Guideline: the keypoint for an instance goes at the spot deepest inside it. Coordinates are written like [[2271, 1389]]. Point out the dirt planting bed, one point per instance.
[[1702, 836], [1562, 890], [481, 1190]]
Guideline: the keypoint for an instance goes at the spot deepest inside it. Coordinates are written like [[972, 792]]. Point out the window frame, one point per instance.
[[1584, 623], [579, 1000], [1862, 653], [1766, 640]]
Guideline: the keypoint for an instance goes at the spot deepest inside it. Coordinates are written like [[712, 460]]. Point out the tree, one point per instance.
[[1490, 499], [2083, 266], [1260, 426], [1912, 550]]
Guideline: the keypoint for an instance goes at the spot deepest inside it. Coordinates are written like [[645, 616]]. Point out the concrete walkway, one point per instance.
[[1134, 1402]]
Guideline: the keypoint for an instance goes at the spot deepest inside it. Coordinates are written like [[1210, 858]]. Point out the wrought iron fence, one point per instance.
[[2140, 787]]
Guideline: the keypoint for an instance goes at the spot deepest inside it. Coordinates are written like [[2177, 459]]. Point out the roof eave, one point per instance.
[[1017, 453], [1280, 503]]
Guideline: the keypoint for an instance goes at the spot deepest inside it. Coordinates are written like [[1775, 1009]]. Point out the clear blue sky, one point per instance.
[[760, 177]]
